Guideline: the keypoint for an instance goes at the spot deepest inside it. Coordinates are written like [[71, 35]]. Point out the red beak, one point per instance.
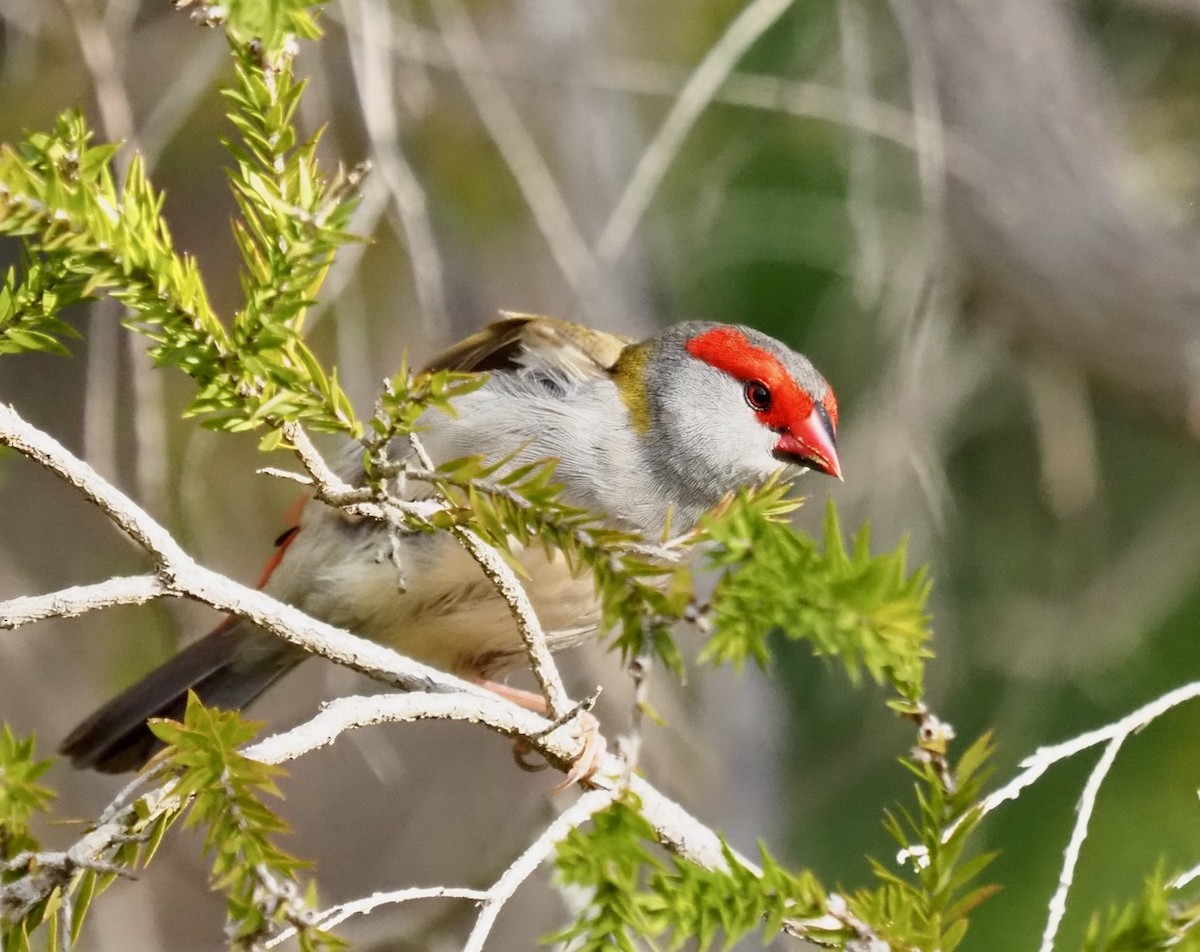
[[812, 444]]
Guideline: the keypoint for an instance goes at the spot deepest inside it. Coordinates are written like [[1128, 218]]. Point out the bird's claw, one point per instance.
[[590, 757], [521, 750], [584, 767]]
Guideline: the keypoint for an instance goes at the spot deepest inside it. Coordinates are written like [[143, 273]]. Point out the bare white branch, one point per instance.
[[501, 575], [523, 867], [674, 827], [1046, 757], [335, 915], [348, 713], [1087, 804], [181, 575], [79, 599]]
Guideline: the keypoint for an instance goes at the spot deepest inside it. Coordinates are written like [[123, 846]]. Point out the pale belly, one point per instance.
[[448, 613]]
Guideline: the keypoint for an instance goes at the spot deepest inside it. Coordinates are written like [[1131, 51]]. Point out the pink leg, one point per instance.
[[526, 699]]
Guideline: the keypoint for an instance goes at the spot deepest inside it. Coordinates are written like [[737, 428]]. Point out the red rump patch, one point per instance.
[[727, 349]]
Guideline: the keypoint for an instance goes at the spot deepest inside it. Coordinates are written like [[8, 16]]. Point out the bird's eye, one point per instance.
[[758, 395]]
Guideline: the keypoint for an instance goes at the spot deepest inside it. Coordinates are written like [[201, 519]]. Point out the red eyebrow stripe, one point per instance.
[[727, 349], [830, 405]]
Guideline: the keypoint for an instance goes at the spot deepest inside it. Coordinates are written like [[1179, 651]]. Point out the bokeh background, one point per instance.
[[978, 217]]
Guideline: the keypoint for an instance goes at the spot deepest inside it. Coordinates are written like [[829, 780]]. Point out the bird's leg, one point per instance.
[[594, 745], [529, 700]]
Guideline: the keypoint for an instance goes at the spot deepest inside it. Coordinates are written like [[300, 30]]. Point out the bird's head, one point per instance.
[[722, 406]]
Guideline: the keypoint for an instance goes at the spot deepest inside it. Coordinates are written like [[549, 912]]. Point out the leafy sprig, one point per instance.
[[925, 906], [225, 793], [21, 796], [293, 221], [637, 893], [1161, 919], [58, 192], [85, 235], [31, 300], [866, 611]]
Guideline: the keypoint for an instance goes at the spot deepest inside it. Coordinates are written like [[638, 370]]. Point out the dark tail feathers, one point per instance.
[[228, 668]]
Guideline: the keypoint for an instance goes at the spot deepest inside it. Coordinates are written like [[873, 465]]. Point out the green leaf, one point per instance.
[[866, 611], [227, 794], [1163, 918], [635, 894], [924, 902], [270, 23], [21, 796]]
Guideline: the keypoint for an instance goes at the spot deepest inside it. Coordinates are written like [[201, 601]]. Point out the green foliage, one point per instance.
[[864, 610], [928, 909], [58, 193], [1156, 922], [30, 301], [271, 24], [635, 893], [293, 221], [83, 235], [225, 791], [21, 796]]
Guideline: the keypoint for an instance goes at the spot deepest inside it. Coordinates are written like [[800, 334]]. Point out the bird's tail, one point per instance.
[[228, 668]]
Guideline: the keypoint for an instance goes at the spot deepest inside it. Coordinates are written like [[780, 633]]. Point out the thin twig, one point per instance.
[[501, 574], [1184, 878], [79, 599], [336, 915], [629, 745], [1046, 757], [523, 867], [1087, 805]]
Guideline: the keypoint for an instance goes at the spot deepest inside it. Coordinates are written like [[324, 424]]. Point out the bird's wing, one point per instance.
[[531, 341]]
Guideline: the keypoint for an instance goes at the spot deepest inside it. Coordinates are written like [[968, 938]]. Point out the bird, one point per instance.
[[648, 435]]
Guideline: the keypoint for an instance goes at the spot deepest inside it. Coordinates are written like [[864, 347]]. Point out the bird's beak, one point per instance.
[[812, 444]]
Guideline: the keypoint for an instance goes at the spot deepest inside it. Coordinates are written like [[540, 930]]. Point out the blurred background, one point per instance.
[[977, 217]]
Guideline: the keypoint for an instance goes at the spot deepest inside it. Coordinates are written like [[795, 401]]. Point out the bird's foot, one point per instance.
[[587, 729], [591, 756]]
